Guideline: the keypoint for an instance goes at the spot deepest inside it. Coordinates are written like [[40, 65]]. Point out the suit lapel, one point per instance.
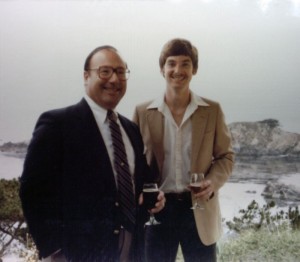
[[93, 141], [199, 122], [85, 115], [156, 128]]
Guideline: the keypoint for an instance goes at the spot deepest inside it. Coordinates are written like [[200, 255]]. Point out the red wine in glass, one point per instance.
[[196, 187], [150, 197], [196, 180], [150, 193]]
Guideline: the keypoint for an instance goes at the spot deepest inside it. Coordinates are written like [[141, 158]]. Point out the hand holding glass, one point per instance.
[[150, 193], [196, 182]]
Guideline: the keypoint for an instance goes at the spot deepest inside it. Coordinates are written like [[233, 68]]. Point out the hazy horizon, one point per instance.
[[248, 50]]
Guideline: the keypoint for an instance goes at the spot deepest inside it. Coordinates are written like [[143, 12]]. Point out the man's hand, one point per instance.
[[207, 190], [159, 205]]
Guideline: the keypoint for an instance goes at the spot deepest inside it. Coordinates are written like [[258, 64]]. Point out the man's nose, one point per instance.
[[114, 77], [177, 69]]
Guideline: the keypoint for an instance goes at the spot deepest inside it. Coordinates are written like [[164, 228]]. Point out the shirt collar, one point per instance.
[[198, 100], [159, 102], [96, 109]]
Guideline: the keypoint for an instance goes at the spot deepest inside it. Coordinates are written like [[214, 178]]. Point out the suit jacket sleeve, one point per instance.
[[223, 155], [40, 190]]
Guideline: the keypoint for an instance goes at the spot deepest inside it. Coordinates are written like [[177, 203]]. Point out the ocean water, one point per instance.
[[247, 182], [10, 167]]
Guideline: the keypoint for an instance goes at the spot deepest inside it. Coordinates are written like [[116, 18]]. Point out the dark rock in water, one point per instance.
[[251, 191], [264, 138], [281, 193]]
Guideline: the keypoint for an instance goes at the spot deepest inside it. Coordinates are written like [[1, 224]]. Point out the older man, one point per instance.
[[84, 172]]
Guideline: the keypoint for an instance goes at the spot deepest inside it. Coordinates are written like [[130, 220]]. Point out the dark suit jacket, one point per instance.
[[68, 192]]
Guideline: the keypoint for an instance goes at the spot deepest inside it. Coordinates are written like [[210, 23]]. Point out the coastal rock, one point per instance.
[[249, 139], [14, 149], [264, 138], [281, 193]]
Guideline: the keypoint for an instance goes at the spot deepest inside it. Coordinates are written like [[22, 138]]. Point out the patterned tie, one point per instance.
[[125, 184]]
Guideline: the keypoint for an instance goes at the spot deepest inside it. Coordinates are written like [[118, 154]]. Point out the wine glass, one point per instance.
[[150, 193], [196, 181]]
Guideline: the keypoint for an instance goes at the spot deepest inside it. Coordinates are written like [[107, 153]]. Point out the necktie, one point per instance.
[[125, 184]]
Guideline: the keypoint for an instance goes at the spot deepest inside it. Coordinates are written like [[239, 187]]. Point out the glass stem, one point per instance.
[[152, 218]]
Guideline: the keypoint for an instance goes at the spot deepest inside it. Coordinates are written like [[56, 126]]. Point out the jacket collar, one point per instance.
[[156, 127], [159, 101]]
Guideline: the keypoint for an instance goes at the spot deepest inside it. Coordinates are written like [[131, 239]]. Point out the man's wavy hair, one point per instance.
[[96, 50], [176, 47]]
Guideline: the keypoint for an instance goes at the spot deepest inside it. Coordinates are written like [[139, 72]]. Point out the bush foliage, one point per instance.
[[262, 245], [12, 224], [9, 201], [263, 235]]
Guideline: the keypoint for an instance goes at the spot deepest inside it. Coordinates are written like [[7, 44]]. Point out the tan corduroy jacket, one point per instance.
[[211, 154]]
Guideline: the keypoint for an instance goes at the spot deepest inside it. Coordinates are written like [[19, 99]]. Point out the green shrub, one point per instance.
[[262, 245], [12, 224], [263, 235], [256, 217], [10, 205]]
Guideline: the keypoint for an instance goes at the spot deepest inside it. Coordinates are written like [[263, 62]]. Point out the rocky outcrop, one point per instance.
[[264, 138], [14, 149], [250, 139]]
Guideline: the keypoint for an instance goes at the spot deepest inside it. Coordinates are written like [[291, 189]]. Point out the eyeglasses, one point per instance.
[[106, 72]]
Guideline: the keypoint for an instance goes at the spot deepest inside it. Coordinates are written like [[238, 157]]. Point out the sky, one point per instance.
[[248, 50]]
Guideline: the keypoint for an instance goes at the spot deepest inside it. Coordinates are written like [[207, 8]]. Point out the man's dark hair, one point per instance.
[[176, 47], [96, 50]]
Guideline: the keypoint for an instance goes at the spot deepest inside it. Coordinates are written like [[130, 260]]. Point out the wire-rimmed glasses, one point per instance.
[[106, 72]]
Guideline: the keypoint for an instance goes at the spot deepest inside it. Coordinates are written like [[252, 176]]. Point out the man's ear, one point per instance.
[[195, 71], [85, 75], [162, 71]]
